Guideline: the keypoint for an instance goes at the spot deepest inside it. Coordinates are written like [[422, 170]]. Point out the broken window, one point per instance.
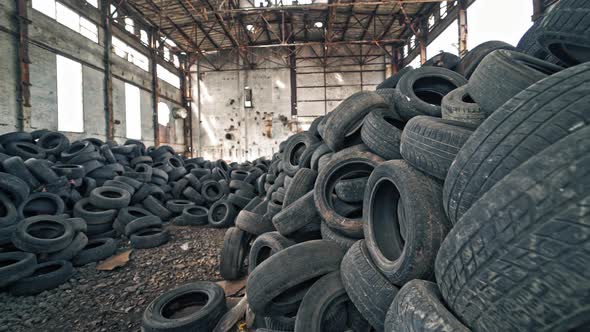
[[132, 111], [70, 106], [167, 76]]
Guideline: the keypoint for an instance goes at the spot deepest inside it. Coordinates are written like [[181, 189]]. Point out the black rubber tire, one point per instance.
[[149, 238], [473, 58], [178, 187], [195, 215], [13, 186], [9, 215], [346, 120], [265, 246], [381, 133], [222, 214], [69, 252], [564, 31], [443, 60], [46, 276], [254, 223], [93, 215], [176, 206], [41, 170], [317, 154], [351, 190], [302, 183], [274, 283], [239, 201], [24, 150], [41, 203], [359, 163], [241, 185], [403, 258], [236, 314], [153, 205], [70, 171], [110, 197], [141, 223], [20, 136], [422, 91], [526, 233], [194, 196], [528, 44], [390, 97], [15, 266], [212, 191], [95, 250], [341, 240], [296, 146], [502, 74], [234, 252], [417, 306], [531, 121], [392, 81], [458, 105], [370, 292], [297, 215], [38, 242], [192, 294], [431, 144], [16, 167], [130, 213], [119, 184], [313, 127], [324, 294], [254, 202]]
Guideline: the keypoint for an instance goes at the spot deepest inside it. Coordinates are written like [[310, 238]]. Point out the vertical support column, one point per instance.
[[24, 93], [538, 9], [186, 86], [293, 79], [200, 143], [462, 21], [155, 85], [422, 40], [108, 75]]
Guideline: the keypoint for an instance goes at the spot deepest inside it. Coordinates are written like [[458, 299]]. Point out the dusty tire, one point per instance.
[[110, 197], [326, 292], [422, 91], [532, 227], [473, 58], [15, 266], [341, 240], [41, 203], [222, 214], [370, 292], [392, 81], [265, 246], [402, 258], [296, 146], [270, 287], [458, 105], [254, 223], [531, 121], [149, 238], [503, 74], [30, 234], [208, 296], [233, 253], [351, 190], [419, 307], [302, 183], [141, 223], [297, 215], [564, 32], [360, 163], [431, 144], [69, 252], [196, 215], [381, 133], [46, 276], [95, 250], [346, 119]]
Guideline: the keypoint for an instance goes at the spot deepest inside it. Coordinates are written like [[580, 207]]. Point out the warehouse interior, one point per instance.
[[294, 165]]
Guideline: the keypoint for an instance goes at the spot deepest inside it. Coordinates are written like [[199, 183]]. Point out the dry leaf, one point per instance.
[[115, 261]]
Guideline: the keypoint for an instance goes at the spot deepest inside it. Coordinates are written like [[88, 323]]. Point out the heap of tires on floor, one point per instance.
[[65, 204], [384, 216]]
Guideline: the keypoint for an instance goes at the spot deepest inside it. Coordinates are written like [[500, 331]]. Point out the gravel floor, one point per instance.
[[115, 300]]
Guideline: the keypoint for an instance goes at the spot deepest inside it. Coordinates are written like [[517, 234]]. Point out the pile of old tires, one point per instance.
[[65, 204], [454, 198]]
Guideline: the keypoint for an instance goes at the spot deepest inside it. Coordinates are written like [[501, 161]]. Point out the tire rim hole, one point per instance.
[[185, 305], [386, 225]]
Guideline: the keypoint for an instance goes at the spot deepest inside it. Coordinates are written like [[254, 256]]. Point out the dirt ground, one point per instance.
[[95, 300]]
